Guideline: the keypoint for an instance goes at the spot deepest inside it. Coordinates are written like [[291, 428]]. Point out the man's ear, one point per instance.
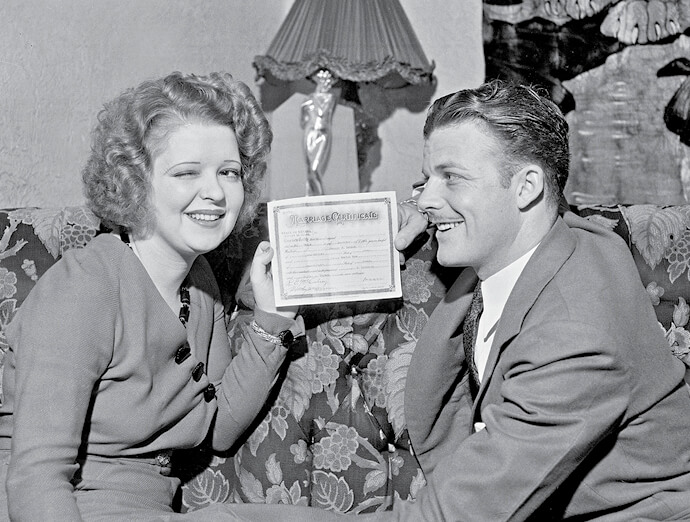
[[529, 186]]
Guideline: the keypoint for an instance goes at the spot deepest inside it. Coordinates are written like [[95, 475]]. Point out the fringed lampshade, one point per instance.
[[356, 40], [343, 43]]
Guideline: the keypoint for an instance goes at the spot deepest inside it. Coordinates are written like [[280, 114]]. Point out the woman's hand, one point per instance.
[[262, 282]]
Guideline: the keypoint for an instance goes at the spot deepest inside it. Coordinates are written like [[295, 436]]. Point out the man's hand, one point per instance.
[[411, 223]]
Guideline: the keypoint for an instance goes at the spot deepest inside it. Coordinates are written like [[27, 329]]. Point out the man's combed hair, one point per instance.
[[529, 127], [133, 127]]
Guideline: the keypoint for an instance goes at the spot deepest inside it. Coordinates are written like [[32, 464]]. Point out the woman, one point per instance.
[[120, 353]]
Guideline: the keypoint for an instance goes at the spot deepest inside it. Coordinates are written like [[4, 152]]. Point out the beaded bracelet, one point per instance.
[[284, 338]]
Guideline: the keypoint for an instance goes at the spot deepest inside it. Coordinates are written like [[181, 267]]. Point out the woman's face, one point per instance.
[[196, 189]]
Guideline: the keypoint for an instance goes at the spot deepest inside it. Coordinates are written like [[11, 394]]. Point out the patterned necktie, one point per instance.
[[469, 334]]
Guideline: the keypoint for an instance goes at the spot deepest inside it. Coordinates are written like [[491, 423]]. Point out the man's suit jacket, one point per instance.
[[582, 410]]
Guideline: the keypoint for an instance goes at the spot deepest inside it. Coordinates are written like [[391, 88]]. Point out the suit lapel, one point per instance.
[[556, 247], [436, 363]]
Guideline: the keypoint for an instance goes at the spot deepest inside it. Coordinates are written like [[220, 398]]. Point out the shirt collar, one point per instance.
[[497, 288]]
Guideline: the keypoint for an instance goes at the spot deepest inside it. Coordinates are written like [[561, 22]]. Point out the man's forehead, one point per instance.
[[454, 141]]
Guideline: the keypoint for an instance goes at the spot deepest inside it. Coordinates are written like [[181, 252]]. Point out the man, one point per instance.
[[581, 409], [566, 403]]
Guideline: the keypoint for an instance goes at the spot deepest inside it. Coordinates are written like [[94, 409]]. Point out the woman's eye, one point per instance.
[[184, 173], [231, 173]]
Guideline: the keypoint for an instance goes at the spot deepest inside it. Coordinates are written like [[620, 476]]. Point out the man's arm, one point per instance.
[[559, 391]]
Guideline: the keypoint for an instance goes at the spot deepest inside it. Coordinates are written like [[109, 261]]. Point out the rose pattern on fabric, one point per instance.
[[335, 452], [372, 379], [655, 292], [8, 283], [300, 451], [322, 365], [29, 268]]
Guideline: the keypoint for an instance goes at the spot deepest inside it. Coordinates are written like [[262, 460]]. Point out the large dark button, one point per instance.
[[286, 338], [183, 353], [198, 371], [210, 393]]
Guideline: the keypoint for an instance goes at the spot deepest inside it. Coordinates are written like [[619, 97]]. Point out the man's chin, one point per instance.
[[450, 261]]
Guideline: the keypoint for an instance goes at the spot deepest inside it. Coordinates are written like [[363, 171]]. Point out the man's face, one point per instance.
[[477, 219]]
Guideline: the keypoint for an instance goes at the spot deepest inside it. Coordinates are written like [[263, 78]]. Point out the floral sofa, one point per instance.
[[333, 431]]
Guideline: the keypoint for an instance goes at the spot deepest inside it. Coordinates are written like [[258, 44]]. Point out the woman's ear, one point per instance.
[[530, 186]]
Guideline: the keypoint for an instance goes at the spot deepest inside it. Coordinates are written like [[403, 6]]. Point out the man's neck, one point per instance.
[[533, 230]]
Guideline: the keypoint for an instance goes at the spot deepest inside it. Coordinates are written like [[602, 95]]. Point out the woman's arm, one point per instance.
[[247, 381], [248, 378], [60, 341]]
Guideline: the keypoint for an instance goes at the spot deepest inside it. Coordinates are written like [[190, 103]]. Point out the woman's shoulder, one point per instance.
[[103, 251], [100, 262], [79, 288]]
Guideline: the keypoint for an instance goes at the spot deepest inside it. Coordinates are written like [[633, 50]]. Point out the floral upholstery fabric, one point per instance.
[[333, 432]]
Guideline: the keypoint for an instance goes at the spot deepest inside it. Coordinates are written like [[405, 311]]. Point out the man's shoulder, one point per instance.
[[598, 277], [590, 233]]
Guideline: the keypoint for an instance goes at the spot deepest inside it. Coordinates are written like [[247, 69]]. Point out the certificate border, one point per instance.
[[387, 200]]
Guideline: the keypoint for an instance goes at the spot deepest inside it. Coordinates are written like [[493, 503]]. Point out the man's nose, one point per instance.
[[429, 199]]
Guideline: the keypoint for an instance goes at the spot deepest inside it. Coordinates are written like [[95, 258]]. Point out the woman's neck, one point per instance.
[[166, 269]]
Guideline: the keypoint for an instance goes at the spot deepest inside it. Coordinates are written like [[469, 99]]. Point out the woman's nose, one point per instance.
[[211, 187]]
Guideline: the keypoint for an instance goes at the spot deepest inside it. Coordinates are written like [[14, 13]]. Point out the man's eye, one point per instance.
[[450, 178]]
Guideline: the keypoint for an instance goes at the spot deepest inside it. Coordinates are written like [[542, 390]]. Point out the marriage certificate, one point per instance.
[[334, 248]]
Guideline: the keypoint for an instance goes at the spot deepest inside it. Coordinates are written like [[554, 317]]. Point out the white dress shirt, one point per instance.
[[495, 292]]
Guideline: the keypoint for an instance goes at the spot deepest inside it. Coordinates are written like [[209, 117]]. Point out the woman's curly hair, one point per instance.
[[132, 129]]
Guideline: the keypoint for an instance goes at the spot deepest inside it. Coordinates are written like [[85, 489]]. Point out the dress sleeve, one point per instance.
[[247, 380], [62, 341]]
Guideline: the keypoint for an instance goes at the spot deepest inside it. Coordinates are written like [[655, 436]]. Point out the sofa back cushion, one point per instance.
[[31, 240]]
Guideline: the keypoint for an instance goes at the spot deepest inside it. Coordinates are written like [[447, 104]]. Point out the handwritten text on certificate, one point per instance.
[[334, 248]]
